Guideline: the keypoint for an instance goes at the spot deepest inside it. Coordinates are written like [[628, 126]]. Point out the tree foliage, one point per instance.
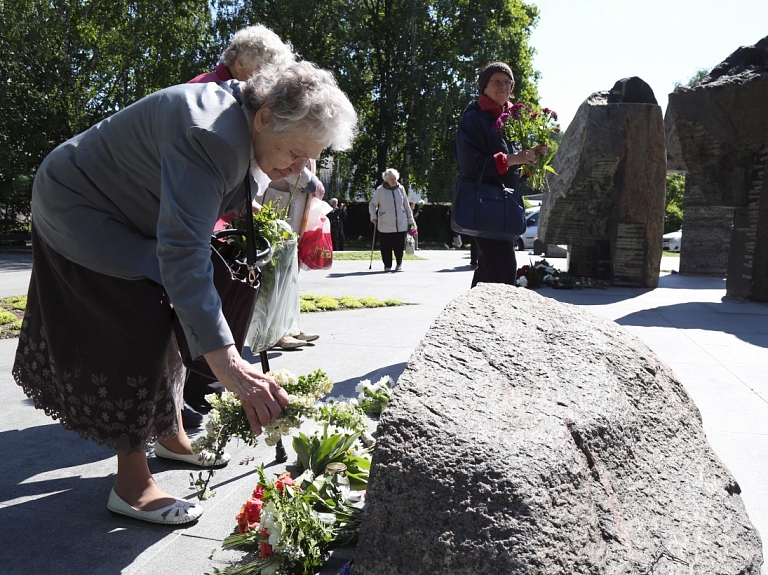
[[673, 214], [696, 79], [409, 68], [70, 63]]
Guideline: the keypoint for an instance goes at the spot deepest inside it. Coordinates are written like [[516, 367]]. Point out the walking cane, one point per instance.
[[373, 241]]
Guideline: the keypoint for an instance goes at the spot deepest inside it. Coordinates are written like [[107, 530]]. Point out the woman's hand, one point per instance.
[[541, 150], [262, 398], [319, 191], [526, 157], [374, 222]]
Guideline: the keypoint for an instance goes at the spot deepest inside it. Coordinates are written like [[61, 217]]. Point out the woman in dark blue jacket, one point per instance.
[[480, 148]]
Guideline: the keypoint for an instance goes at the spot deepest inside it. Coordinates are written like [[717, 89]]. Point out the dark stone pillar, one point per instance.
[[720, 131], [606, 201]]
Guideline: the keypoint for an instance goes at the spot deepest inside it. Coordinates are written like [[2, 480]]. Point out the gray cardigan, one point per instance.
[[138, 194], [391, 208]]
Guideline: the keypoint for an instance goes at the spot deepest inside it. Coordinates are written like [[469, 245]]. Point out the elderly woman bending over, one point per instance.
[[123, 215]]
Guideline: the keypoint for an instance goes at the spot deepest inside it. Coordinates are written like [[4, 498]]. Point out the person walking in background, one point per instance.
[[415, 209], [336, 217], [296, 197], [97, 348], [391, 214], [482, 148], [452, 238]]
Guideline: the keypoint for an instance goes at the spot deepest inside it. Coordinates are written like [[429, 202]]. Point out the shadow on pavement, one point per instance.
[[58, 512]]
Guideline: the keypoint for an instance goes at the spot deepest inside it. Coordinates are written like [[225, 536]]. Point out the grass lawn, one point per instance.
[[362, 255]]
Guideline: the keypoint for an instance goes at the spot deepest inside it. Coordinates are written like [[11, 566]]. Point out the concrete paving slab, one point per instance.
[[715, 345]]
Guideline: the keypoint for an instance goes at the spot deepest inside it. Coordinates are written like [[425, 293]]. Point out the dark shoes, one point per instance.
[[196, 388], [190, 418]]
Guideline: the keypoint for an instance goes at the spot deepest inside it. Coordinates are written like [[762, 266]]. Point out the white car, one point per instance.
[[525, 242], [671, 241]]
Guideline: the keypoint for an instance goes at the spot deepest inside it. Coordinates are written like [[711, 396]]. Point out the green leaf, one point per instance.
[[301, 445]]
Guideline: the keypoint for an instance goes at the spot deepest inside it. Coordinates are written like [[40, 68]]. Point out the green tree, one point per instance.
[[696, 79], [409, 67], [673, 214], [71, 63]]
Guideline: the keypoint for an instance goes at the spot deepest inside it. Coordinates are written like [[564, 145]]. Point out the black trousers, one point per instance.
[[472, 249], [392, 242], [496, 262]]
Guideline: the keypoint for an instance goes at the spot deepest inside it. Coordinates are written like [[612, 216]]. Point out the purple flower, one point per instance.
[[346, 570], [517, 109]]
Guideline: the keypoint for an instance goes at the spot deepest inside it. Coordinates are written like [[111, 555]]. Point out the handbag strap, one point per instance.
[[250, 231]]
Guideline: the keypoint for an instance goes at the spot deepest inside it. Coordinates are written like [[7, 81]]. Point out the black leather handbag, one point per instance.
[[487, 210], [235, 258]]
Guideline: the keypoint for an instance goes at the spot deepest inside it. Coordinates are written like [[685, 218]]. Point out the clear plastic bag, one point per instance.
[[278, 305], [410, 245]]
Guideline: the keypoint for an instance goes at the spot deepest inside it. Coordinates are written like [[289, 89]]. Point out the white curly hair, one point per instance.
[[390, 172], [258, 46], [303, 98]]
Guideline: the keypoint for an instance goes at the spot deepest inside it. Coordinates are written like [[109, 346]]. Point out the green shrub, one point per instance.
[[371, 302], [327, 303], [350, 302], [7, 317], [307, 305], [17, 302]]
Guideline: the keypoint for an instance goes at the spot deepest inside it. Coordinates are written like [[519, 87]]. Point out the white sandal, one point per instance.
[[177, 513], [289, 342], [204, 459]]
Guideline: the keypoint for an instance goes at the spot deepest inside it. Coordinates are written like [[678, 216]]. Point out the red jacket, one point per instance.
[[219, 74]]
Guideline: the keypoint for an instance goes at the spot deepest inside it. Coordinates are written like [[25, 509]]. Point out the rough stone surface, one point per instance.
[[718, 133], [607, 200], [549, 250], [631, 91], [707, 238], [528, 436]]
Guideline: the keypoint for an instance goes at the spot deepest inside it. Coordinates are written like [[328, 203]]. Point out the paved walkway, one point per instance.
[[54, 485]]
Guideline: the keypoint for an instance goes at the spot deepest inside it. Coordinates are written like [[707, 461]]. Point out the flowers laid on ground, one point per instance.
[[542, 273], [290, 526], [280, 526], [529, 127], [227, 419], [373, 397]]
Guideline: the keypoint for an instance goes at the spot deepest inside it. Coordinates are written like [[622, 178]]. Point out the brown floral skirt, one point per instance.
[[98, 353]]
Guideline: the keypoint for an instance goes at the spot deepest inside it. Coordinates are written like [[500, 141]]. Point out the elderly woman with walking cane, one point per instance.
[[392, 217]]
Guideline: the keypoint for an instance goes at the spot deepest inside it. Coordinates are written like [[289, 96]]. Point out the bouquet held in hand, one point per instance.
[[531, 129]]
